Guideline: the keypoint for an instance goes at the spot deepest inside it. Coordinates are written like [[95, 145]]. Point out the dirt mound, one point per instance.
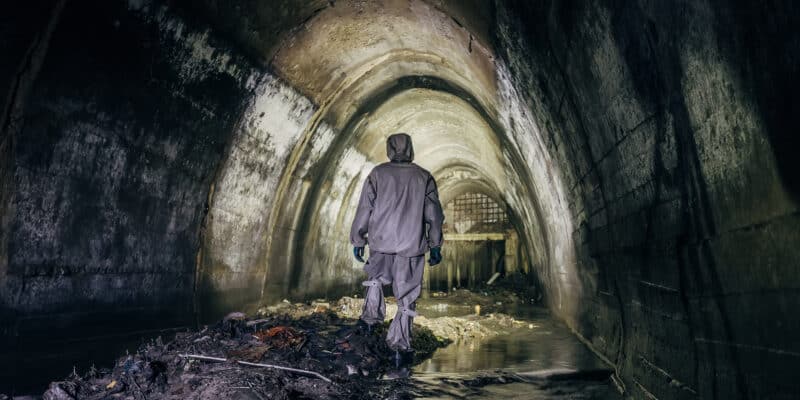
[[322, 355], [288, 351]]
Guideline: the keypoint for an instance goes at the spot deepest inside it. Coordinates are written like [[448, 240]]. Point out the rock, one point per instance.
[[320, 306], [391, 310], [57, 391], [202, 339], [349, 307], [235, 316]]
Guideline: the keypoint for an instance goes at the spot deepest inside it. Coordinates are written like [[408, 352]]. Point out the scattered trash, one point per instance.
[[204, 338], [280, 337], [320, 306], [235, 316], [251, 354], [293, 352], [493, 278]]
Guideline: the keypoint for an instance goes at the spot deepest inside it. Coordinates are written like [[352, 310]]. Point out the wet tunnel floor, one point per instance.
[[535, 358], [540, 359]]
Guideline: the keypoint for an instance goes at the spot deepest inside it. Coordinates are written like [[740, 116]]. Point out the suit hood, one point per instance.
[[399, 148]]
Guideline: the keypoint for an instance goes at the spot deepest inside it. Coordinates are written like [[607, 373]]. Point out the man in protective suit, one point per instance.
[[400, 216]]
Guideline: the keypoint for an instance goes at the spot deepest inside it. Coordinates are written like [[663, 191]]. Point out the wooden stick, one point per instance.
[[257, 321], [250, 364]]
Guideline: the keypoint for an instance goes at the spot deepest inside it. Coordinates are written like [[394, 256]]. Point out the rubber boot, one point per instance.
[[403, 358], [364, 328]]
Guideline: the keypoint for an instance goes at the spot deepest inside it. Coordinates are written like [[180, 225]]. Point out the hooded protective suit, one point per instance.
[[398, 199], [400, 216]]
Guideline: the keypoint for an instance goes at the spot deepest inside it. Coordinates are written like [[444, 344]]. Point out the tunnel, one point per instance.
[[628, 163]]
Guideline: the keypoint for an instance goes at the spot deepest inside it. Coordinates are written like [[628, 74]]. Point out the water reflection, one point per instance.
[[541, 344]]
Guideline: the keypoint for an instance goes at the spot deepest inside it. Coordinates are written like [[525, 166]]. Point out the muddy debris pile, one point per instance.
[[291, 350], [460, 315], [319, 355], [501, 297]]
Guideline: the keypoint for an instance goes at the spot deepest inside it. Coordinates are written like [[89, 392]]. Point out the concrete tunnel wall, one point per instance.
[[161, 160]]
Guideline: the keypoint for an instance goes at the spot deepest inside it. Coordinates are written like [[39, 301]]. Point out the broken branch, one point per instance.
[[251, 364]]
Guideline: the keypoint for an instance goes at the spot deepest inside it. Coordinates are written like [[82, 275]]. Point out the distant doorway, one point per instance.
[[479, 241]]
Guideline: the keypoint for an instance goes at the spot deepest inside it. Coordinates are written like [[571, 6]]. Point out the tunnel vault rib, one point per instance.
[[278, 217], [300, 211]]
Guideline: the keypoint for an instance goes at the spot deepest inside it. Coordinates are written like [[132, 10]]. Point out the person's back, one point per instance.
[[392, 210], [400, 216]]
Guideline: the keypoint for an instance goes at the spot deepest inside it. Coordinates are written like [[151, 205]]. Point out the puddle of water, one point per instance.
[[541, 347]]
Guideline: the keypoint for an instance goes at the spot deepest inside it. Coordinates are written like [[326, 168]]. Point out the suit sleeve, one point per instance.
[[433, 214], [358, 232]]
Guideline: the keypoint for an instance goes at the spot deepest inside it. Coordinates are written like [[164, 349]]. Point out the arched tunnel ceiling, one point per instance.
[[452, 139], [261, 27], [373, 69], [376, 68], [347, 74], [339, 53], [343, 43], [344, 54]]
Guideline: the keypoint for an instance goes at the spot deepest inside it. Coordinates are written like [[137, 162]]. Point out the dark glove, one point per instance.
[[436, 256], [359, 253]]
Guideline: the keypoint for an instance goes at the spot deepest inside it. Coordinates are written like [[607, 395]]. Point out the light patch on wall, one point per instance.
[[548, 192], [245, 189], [204, 58], [323, 138], [736, 158], [352, 165]]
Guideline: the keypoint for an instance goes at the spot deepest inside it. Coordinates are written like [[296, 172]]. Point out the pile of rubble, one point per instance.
[[287, 351], [319, 355], [474, 324]]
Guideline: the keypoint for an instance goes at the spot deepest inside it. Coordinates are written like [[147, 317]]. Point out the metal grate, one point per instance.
[[477, 212]]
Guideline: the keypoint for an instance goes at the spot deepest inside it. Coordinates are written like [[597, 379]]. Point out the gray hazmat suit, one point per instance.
[[399, 214]]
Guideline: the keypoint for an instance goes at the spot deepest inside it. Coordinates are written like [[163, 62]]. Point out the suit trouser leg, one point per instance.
[[378, 274], [407, 285]]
